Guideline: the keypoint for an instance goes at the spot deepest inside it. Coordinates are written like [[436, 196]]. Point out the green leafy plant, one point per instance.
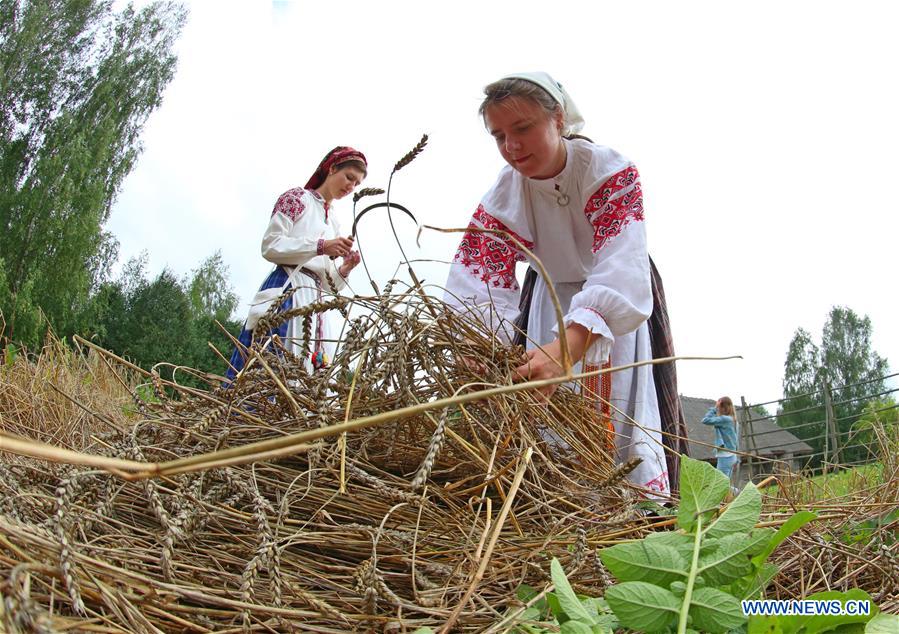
[[695, 577], [563, 610], [814, 623], [862, 532]]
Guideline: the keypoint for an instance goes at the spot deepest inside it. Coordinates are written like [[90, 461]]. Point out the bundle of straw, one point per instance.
[[432, 512]]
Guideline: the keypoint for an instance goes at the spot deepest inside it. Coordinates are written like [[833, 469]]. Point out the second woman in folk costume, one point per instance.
[[578, 207], [303, 241]]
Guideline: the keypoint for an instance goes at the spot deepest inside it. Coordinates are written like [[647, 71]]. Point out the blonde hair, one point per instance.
[[725, 406], [504, 88]]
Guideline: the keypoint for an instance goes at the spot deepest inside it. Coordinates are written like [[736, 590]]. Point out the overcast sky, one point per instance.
[[766, 135]]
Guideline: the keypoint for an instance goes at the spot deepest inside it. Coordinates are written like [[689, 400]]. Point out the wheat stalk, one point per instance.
[[367, 191], [65, 493], [580, 550], [367, 585], [434, 447], [620, 473], [411, 154]]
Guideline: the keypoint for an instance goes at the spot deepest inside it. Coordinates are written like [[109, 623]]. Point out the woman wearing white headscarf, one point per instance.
[[578, 207]]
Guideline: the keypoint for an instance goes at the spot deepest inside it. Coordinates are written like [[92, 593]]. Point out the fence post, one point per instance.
[[831, 434], [746, 433]]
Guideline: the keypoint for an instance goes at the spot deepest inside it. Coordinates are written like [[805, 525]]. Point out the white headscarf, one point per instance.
[[574, 122]]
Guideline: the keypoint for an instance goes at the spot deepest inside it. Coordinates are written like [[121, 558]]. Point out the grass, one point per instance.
[[837, 483]]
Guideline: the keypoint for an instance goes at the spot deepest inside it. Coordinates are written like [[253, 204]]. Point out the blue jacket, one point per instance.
[[725, 430]]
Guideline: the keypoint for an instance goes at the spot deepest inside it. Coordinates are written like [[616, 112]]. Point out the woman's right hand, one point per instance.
[[338, 247]]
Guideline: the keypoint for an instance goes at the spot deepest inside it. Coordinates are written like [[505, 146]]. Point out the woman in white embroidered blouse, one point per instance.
[[578, 207], [303, 241]]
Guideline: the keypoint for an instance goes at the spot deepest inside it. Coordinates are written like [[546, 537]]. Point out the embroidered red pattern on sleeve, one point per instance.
[[291, 204], [489, 256], [609, 210]]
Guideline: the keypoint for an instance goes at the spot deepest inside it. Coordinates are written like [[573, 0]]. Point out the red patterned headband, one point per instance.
[[336, 157]]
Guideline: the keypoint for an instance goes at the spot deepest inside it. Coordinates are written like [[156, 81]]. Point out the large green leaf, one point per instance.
[[677, 540], [702, 487], [555, 608], [644, 561], [715, 611], [576, 627], [643, 606], [606, 622], [740, 516], [568, 600], [764, 625], [530, 614], [813, 624], [760, 538], [525, 593], [883, 624], [756, 585], [796, 521], [728, 562], [827, 622]]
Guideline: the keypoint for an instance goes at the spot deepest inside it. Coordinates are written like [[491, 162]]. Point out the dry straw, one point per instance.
[[275, 542]]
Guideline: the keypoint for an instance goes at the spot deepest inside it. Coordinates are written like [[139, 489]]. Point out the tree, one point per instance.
[[213, 301], [878, 427], [77, 83], [166, 319], [847, 364], [847, 356], [759, 411], [803, 408], [210, 291]]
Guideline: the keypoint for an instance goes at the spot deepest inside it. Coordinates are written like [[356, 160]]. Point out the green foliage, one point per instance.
[[643, 606], [704, 491], [696, 576], [796, 521], [760, 411], [78, 82], [883, 624], [847, 362], [566, 611], [864, 531], [209, 290], [692, 579], [159, 320], [833, 484], [882, 411], [813, 624]]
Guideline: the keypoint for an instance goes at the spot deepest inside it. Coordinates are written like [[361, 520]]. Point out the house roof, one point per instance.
[[770, 440]]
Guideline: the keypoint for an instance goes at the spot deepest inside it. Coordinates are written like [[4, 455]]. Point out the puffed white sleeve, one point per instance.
[[291, 237], [482, 275], [617, 295]]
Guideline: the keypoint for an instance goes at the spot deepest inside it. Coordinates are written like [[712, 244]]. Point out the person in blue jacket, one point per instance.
[[724, 418]]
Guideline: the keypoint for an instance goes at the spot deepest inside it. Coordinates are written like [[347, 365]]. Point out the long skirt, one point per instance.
[[626, 399], [320, 349]]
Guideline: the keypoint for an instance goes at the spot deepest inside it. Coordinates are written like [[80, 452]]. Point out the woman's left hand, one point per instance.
[[349, 263]]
